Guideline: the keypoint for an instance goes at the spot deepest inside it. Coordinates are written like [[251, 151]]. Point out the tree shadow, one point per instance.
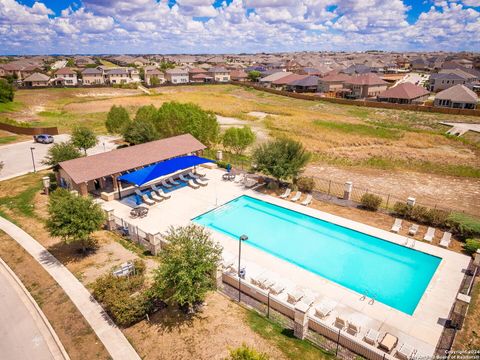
[[69, 253], [172, 318]]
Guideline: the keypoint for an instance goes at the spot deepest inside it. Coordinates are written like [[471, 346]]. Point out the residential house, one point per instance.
[[267, 80], [404, 93], [357, 69], [238, 75], [65, 76], [219, 74], [365, 85], [420, 64], [281, 84], [307, 84], [332, 83], [121, 76], [177, 76], [93, 76], [310, 71], [447, 78], [193, 72], [458, 97], [154, 74], [36, 80]]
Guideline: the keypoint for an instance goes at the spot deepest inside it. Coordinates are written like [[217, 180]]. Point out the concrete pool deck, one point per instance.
[[421, 330]]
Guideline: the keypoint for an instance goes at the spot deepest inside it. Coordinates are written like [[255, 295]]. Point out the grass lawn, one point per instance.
[[469, 337]]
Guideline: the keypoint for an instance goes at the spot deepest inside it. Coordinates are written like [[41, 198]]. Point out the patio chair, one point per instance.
[[240, 178], [388, 342], [294, 296], [309, 298], [430, 234], [167, 185], [307, 201], [193, 184], [183, 178], [340, 323], [134, 213], [201, 182], [371, 337], [277, 288], [155, 197], [192, 175], [286, 194], [405, 352], [200, 174], [324, 308], [172, 181], [297, 196], [397, 226], [145, 198], [446, 239], [160, 192], [352, 328], [413, 230]]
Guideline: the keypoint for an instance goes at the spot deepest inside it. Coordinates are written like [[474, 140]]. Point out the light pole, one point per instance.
[[33, 159], [240, 239]]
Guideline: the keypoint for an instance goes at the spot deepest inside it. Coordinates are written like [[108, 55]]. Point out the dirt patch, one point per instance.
[[220, 326], [258, 128], [443, 191], [76, 335], [259, 114]]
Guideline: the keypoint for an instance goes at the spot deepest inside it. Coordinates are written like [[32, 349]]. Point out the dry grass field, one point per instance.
[[349, 142]]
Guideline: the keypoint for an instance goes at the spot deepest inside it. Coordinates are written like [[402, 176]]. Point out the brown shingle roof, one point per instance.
[[117, 161], [65, 71], [335, 78], [288, 79], [458, 93], [366, 79], [405, 90]]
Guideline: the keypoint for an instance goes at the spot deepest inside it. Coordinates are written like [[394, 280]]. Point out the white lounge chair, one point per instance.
[[353, 328], [277, 288], [173, 182], [324, 308], [308, 200], [266, 280], [397, 226], [167, 185], [239, 179], [155, 197], [183, 178], [286, 194], [160, 192], [200, 174], [193, 184], [144, 197], [294, 296], [430, 234], [193, 176], [413, 230], [446, 239], [371, 337], [201, 182], [340, 323], [406, 352], [297, 196]]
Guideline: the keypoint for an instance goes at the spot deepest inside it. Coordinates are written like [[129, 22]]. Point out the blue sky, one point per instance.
[[216, 26]]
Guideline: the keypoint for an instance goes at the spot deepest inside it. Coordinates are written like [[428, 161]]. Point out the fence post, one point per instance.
[[338, 341], [268, 305], [388, 199], [329, 186]]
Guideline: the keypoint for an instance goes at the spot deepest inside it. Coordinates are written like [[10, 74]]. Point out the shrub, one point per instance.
[[371, 202], [464, 225], [246, 353], [305, 184], [436, 217], [419, 213], [402, 209], [471, 246]]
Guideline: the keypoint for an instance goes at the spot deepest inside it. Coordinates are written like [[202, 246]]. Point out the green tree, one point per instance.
[[283, 158], [154, 81], [165, 65], [70, 63], [254, 75], [117, 120], [188, 266], [146, 113], [74, 218], [238, 139], [62, 151], [175, 118], [84, 138], [6, 91], [139, 132], [246, 353]]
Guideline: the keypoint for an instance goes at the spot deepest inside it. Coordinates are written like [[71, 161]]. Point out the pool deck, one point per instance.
[[421, 330]]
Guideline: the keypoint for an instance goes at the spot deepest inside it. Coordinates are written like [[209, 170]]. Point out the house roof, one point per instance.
[[310, 80], [366, 79], [37, 77], [197, 71], [201, 76], [335, 78], [117, 161], [120, 71], [458, 93], [218, 69], [275, 76], [92, 71], [287, 79], [65, 71], [405, 90], [177, 71], [447, 76], [154, 71], [238, 74]]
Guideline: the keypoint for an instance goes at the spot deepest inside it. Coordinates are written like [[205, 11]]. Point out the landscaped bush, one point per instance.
[[371, 202], [464, 225], [436, 217], [419, 213], [471, 246], [305, 184], [402, 209], [246, 353]]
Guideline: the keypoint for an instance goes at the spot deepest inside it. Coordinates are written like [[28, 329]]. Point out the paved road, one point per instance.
[[24, 331], [109, 334], [17, 157]]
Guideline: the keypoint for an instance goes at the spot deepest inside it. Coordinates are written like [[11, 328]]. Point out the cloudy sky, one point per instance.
[[222, 26]]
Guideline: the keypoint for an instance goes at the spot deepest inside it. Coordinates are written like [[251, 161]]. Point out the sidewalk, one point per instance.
[[109, 334]]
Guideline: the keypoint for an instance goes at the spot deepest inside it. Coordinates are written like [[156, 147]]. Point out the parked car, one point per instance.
[[43, 138]]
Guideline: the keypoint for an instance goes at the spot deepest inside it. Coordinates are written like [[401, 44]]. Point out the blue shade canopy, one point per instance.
[[155, 171]]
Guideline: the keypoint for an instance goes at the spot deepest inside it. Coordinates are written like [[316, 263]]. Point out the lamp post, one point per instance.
[[240, 239], [33, 159]]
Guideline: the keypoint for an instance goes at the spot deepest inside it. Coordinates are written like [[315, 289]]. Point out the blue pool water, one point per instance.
[[394, 275]]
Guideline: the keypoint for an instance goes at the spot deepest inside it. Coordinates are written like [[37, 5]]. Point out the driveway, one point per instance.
[[24, 331], [17, 158]]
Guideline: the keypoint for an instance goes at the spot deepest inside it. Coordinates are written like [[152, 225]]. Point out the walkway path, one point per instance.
[[112, 338]]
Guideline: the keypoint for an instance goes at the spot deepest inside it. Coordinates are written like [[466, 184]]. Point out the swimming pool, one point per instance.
[[392, 274]]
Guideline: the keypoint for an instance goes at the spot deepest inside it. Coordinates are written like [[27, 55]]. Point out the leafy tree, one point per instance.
[[154, 81], [6, 91], [188, 266], [246, 353], [62, 151], [471, 246], [146, 113], [140, 131], [165, 65], [238, 139], [70, 63], [282, 158], [175, 118], [84, 138], [117, 120], [74, 218], [254, 75]]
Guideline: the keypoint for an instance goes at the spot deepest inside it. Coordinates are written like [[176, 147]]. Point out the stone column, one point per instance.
[[219, 278], [411, 201], [301, 320], [110, 220], [347, 190], [83, 189]]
